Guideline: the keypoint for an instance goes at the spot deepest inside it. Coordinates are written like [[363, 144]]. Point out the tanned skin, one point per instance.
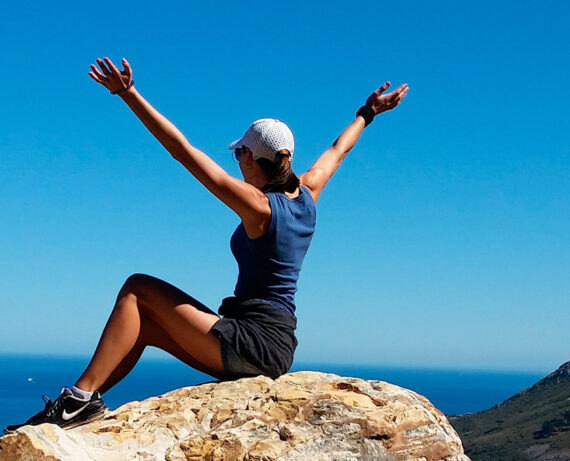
[[151, 312]]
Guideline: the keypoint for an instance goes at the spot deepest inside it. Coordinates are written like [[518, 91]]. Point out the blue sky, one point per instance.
[[441, 242]]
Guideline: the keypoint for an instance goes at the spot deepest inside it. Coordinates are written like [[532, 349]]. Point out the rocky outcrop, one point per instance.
[[299, 416]]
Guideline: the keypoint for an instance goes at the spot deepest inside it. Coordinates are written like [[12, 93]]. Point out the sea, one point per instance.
[[24, 379]]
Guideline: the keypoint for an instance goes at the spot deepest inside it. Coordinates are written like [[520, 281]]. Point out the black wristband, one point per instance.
[[122, 90], [367, 113]]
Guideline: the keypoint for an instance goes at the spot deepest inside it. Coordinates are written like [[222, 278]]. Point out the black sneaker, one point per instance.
[[67, 411]]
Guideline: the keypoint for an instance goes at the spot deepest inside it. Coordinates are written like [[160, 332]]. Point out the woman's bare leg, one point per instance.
[[122, 370], [150, 311], [151, 335]]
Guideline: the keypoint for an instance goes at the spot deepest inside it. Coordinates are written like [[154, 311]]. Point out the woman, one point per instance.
[[277, 212]]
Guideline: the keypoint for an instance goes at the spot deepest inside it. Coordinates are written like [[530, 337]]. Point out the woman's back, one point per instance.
[[269, 266]]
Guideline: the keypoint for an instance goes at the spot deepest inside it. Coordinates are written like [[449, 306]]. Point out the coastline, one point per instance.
[[26, 377]]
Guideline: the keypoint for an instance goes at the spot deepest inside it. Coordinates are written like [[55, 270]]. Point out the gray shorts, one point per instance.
[[235, 364], [256, 338]]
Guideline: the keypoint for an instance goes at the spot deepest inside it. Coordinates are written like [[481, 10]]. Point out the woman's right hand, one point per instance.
[[110, 77]]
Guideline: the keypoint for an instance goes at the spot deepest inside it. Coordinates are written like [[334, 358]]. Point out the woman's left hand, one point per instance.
[[380, 102], [110, 77]]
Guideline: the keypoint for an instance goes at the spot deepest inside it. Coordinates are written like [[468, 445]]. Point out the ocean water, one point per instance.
[[23, 380]]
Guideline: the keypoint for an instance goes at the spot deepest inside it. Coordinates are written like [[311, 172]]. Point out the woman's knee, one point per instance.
[[152, 293], [136, 285], [138, 289]]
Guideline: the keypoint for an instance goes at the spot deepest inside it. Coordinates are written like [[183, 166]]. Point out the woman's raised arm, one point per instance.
[[246, 200], [318, 175]]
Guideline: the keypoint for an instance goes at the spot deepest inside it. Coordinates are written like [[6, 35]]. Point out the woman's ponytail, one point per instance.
[[280, 175]]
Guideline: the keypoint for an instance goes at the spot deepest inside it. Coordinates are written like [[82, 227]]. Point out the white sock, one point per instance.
[[83, 395]]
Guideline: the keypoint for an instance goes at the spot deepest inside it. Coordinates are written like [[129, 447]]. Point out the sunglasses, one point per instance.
[[238, 152]]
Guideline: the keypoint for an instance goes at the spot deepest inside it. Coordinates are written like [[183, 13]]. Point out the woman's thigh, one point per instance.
[[180, 317]]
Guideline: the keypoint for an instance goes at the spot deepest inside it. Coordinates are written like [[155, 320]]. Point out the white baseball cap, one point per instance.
[[265, 137]]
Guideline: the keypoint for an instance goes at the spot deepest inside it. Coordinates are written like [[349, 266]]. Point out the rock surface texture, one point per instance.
[[299, 416]]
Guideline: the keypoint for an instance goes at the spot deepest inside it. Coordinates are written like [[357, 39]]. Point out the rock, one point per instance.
[[299, 416]]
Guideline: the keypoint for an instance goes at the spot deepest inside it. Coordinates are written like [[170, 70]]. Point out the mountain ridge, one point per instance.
[[533, 424]]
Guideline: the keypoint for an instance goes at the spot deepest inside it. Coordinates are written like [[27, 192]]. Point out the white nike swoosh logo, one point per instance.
[[67, 416]]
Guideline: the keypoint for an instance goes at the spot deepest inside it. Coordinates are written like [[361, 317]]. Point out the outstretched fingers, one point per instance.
[[95, 77], [113, 68], [106, 72], [396, 96], [383, 88], [402, 91], [96, 72], [127, 67]]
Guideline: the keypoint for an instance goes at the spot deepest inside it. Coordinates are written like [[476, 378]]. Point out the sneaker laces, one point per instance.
[[47, 401], [53, 406], [48, 405]]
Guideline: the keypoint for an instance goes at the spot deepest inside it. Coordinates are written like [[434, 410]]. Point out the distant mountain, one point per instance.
[[531, 425]]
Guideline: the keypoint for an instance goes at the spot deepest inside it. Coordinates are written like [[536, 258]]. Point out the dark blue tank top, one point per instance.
[[269, 266]]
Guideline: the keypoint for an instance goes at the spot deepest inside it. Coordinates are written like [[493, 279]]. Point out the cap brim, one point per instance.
[[237, 143]]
